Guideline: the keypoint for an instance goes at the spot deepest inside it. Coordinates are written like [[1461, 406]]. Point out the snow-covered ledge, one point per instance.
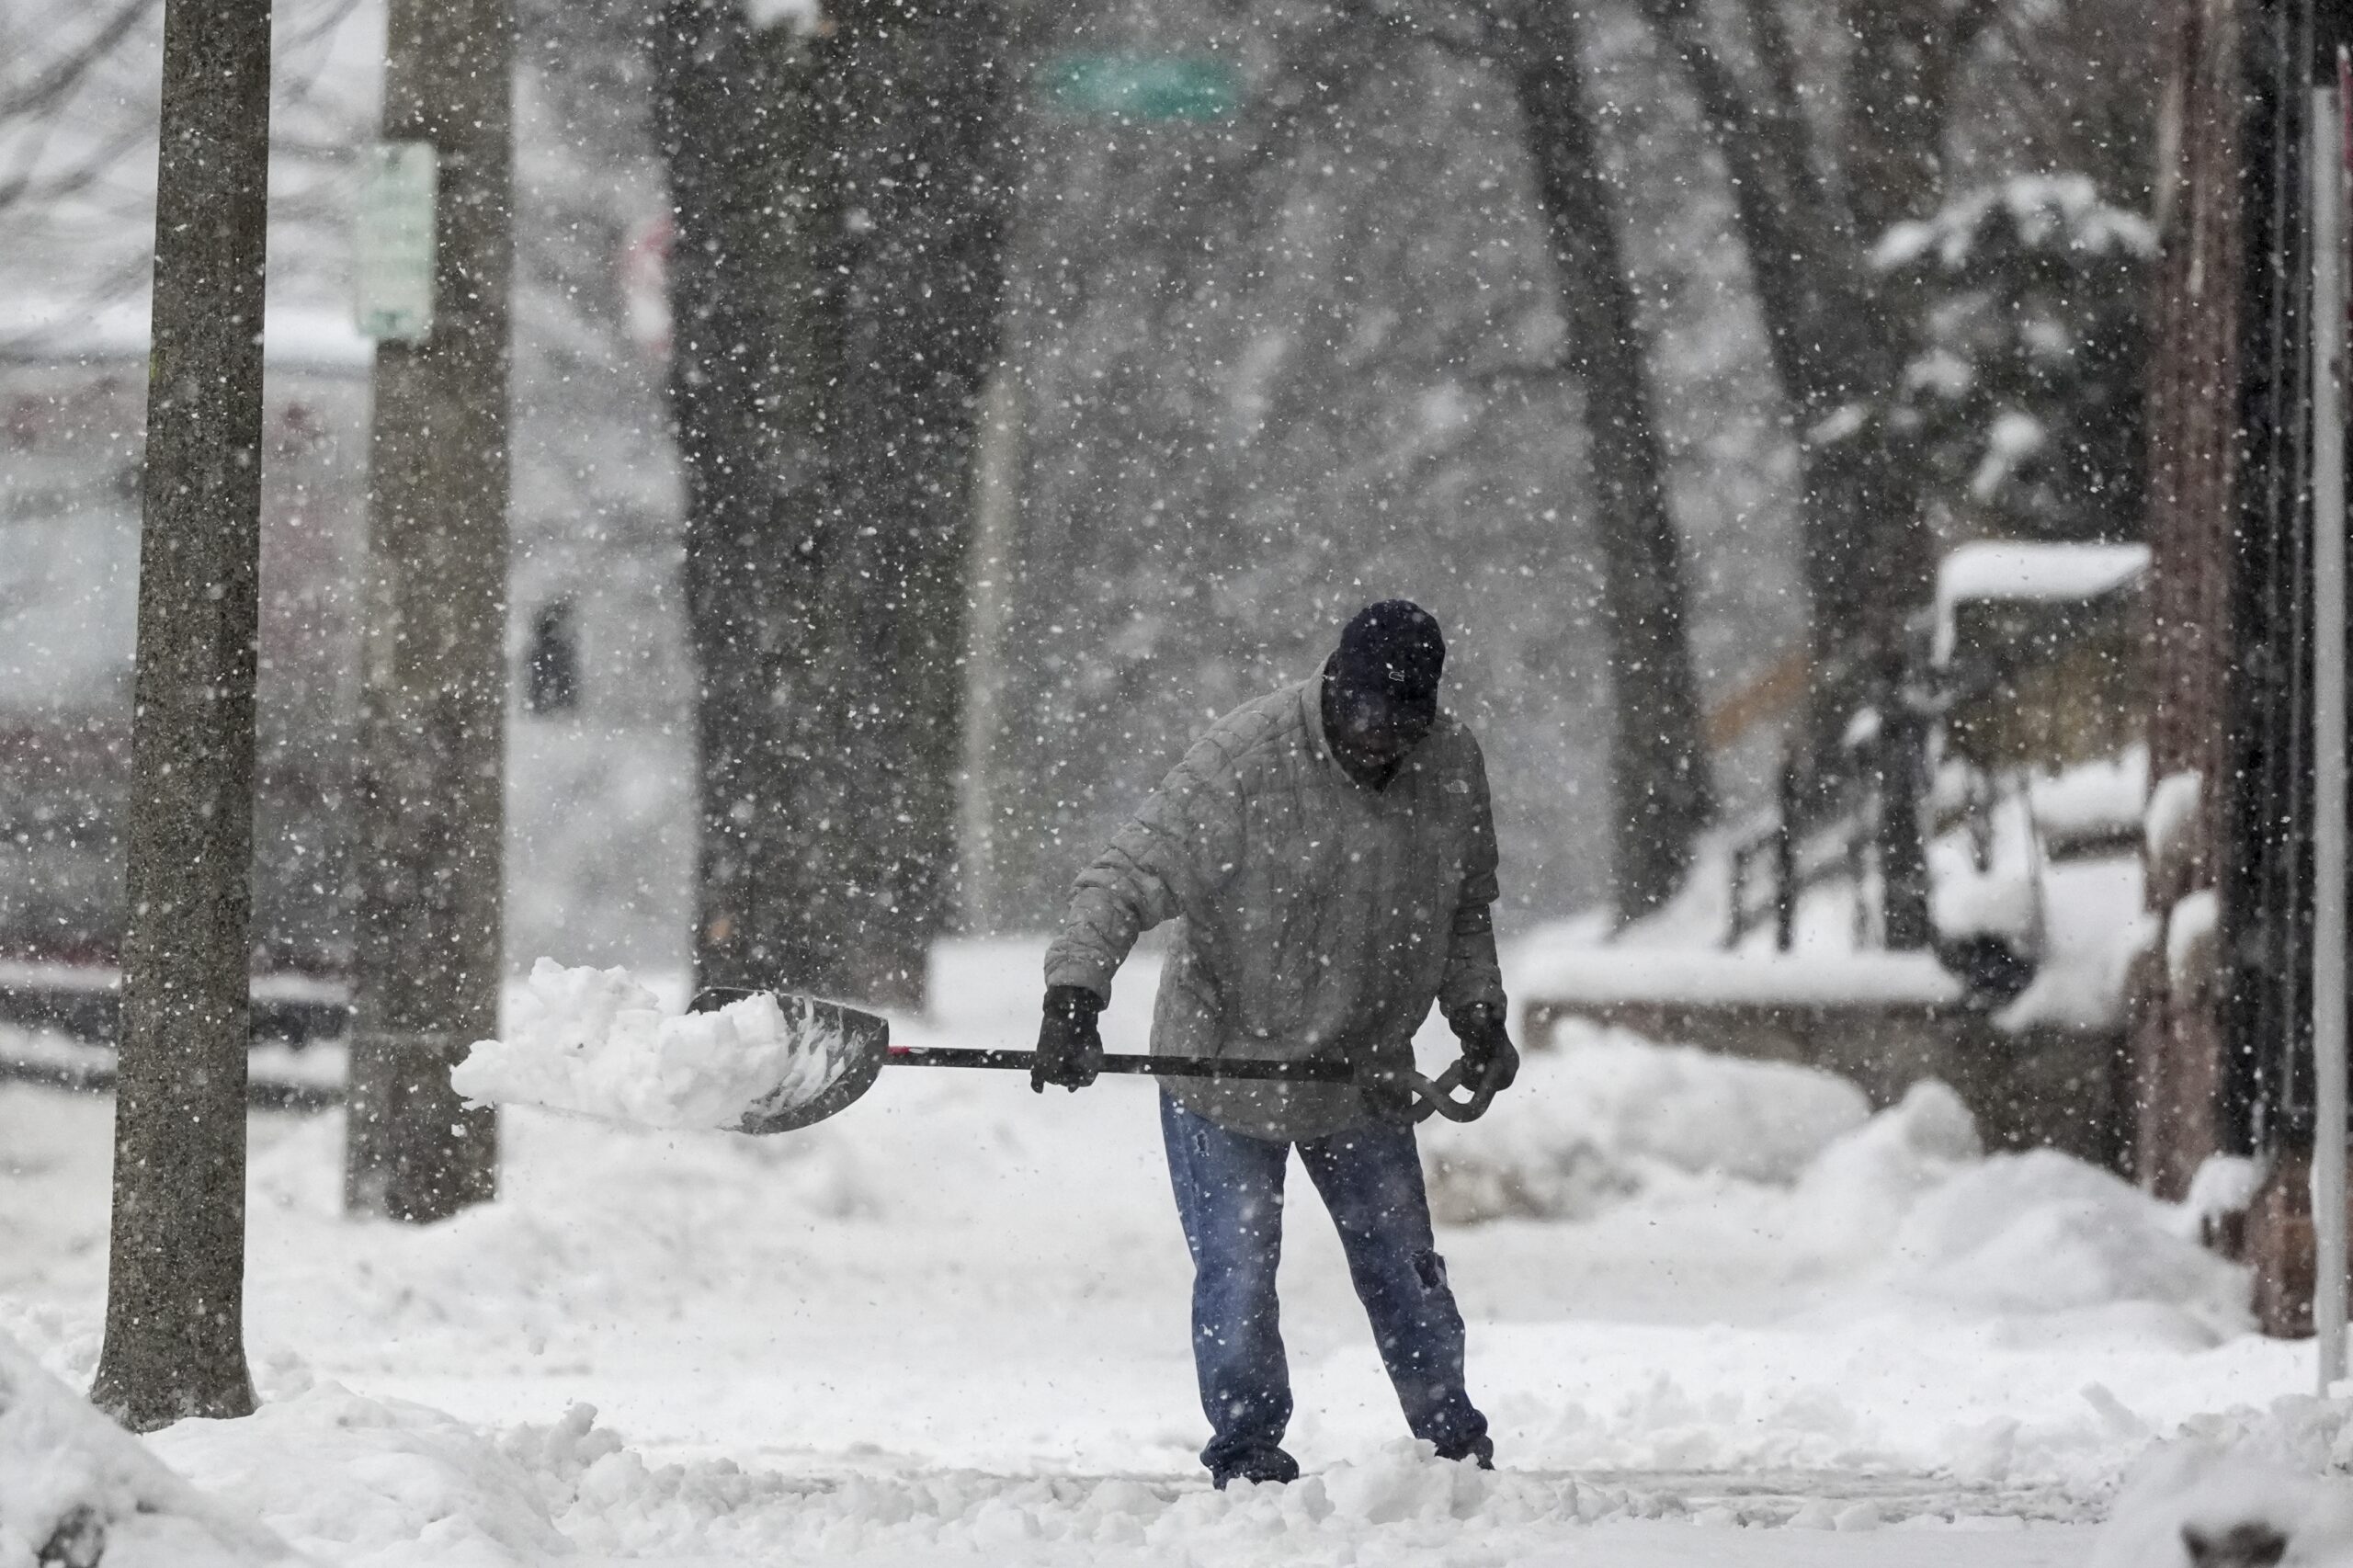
[[1596, 975]]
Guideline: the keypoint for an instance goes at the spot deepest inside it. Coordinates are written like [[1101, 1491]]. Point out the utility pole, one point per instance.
[[2326, 167], [174, 1336], [432, 734]]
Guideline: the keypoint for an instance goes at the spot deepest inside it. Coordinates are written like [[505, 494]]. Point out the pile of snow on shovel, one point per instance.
[[596, 1042]]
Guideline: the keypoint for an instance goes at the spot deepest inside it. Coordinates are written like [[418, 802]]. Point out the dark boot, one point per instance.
[[1482, 1448], [1265, 1464]]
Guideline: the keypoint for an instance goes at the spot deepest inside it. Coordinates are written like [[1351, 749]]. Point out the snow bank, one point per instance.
[[1596, 975], [596, 1042], [2038, 1232], [1400, 1503], [1908, 1195], [76, 1490], [1846, 1206], [1587, 1123], [2190, 1505], [358, 1481], [2009, 1238], [385, 1482]]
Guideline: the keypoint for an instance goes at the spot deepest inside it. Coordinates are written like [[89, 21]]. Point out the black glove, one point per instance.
[[1490, 1060], [1070, 1048]]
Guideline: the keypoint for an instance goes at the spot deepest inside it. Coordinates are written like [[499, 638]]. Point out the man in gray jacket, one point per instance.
[[1330, 852]]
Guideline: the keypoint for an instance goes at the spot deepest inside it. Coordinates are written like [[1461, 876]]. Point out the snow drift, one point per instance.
[[76, 1490], [361, 1481], [2037, 1231], [386, 1482], [1593, 1122], [1908, 1197], [2189, 1504]]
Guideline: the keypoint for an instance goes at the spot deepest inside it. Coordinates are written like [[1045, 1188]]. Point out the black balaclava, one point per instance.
[[1380, 687]]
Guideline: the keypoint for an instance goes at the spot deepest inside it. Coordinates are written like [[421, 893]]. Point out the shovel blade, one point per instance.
[[865, 1041]]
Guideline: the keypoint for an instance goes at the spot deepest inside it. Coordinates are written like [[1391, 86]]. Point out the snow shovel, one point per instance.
[[866, 1050]]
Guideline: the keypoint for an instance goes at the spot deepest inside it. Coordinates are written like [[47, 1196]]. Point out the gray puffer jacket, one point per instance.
[[1320, 917]]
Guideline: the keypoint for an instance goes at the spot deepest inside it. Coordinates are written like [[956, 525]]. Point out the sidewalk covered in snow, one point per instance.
[[1722, 1313]]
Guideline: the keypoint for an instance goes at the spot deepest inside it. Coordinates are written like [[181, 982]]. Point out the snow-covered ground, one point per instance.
[[1719, 1314]]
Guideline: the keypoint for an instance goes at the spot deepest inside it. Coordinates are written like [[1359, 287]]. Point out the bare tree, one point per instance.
[[77, 125], [1660, 784], [1813, 189], [175, 1339], [36, 95]]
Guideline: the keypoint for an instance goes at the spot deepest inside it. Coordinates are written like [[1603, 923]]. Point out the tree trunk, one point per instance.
[[1833, 333], [915, 101], [752, 357], [1864, 550], [1662, 795], [1900, 82], [2198, 376], [174, 1334], [433, 703]]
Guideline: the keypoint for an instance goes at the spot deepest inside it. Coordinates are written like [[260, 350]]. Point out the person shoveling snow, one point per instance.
[[1331, 853]]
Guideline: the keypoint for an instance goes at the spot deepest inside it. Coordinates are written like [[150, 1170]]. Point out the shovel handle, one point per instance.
[[1439, 1097], [1152, 1066]]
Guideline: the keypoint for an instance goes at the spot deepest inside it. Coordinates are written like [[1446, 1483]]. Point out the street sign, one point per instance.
[[393, 260], [1142, 87]]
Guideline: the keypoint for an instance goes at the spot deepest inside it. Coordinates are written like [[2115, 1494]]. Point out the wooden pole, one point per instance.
[[174, 1333], [432, 704]]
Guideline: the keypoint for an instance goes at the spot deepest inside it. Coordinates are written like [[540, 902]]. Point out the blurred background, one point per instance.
[[1283, 329]]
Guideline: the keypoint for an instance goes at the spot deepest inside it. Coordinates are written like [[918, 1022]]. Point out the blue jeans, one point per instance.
[[1229, 1198]]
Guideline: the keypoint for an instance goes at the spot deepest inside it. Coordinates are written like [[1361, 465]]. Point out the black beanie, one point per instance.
[[1392, 650]]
